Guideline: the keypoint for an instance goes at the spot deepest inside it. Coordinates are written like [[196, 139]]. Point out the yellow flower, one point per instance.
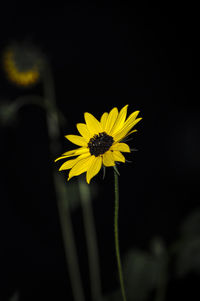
[[100, 142], [22, 65]]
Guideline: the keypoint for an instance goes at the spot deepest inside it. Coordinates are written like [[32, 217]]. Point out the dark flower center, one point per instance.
[[99, 144]]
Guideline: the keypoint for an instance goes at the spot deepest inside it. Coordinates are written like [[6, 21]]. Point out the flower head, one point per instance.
[[100, 142], [22, 64]]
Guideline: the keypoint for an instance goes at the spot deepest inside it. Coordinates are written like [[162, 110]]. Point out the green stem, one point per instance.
[[91, 240], [161, 289], [116, 214], [68, 238], [162, 286], [53, 127]]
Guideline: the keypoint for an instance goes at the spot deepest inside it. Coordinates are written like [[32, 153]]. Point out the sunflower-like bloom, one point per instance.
[[100, 142], [22, 65]]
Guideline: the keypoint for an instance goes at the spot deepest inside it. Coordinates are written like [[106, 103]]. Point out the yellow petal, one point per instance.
[[81, 166], [94, 168], [131, 118], [83, 130], [133, 131], [112, 116], [74, 152], [122, 147], [117, 156], [108, 159], [93, 124], [120, 120], [78, 140], [124, 132], [103, 120], [70, 163]]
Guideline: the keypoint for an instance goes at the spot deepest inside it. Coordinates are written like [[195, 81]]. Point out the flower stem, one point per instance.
[[91, 240], [116, 214]]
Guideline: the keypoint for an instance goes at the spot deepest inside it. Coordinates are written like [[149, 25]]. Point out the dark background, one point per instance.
[[103, 54]]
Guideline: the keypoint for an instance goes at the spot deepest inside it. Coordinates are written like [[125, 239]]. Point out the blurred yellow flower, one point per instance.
[[100, 142], [22, 65]]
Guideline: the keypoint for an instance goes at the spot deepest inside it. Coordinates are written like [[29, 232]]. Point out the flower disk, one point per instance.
[[100, 142]]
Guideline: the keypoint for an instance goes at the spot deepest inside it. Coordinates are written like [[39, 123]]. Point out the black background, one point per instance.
[[103, 54]]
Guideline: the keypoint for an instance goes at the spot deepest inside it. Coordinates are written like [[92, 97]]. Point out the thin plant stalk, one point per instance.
[[68, 237], [116, 233], [161, 290], [92, 247], [63, 208]]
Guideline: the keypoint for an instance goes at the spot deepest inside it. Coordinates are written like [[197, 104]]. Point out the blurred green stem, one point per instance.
[[68, 237], [93, 256], [60, 187], [27, 100], [116, 215], [161, 289]]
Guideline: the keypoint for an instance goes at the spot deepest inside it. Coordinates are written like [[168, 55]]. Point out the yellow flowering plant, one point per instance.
[[101, 143]]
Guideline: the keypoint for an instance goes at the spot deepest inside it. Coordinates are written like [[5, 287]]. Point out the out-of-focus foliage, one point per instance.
[[148, 273], [188, 248], [190, 228], [8, 113], [15, 296], [141, 270], [9, 109], [69, 192]]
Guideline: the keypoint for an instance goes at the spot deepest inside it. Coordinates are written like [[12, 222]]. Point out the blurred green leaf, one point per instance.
[[191, 226], [114, 296], [188, 257], [8, 113], [15, 296], [187, 249], [141, 273]]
